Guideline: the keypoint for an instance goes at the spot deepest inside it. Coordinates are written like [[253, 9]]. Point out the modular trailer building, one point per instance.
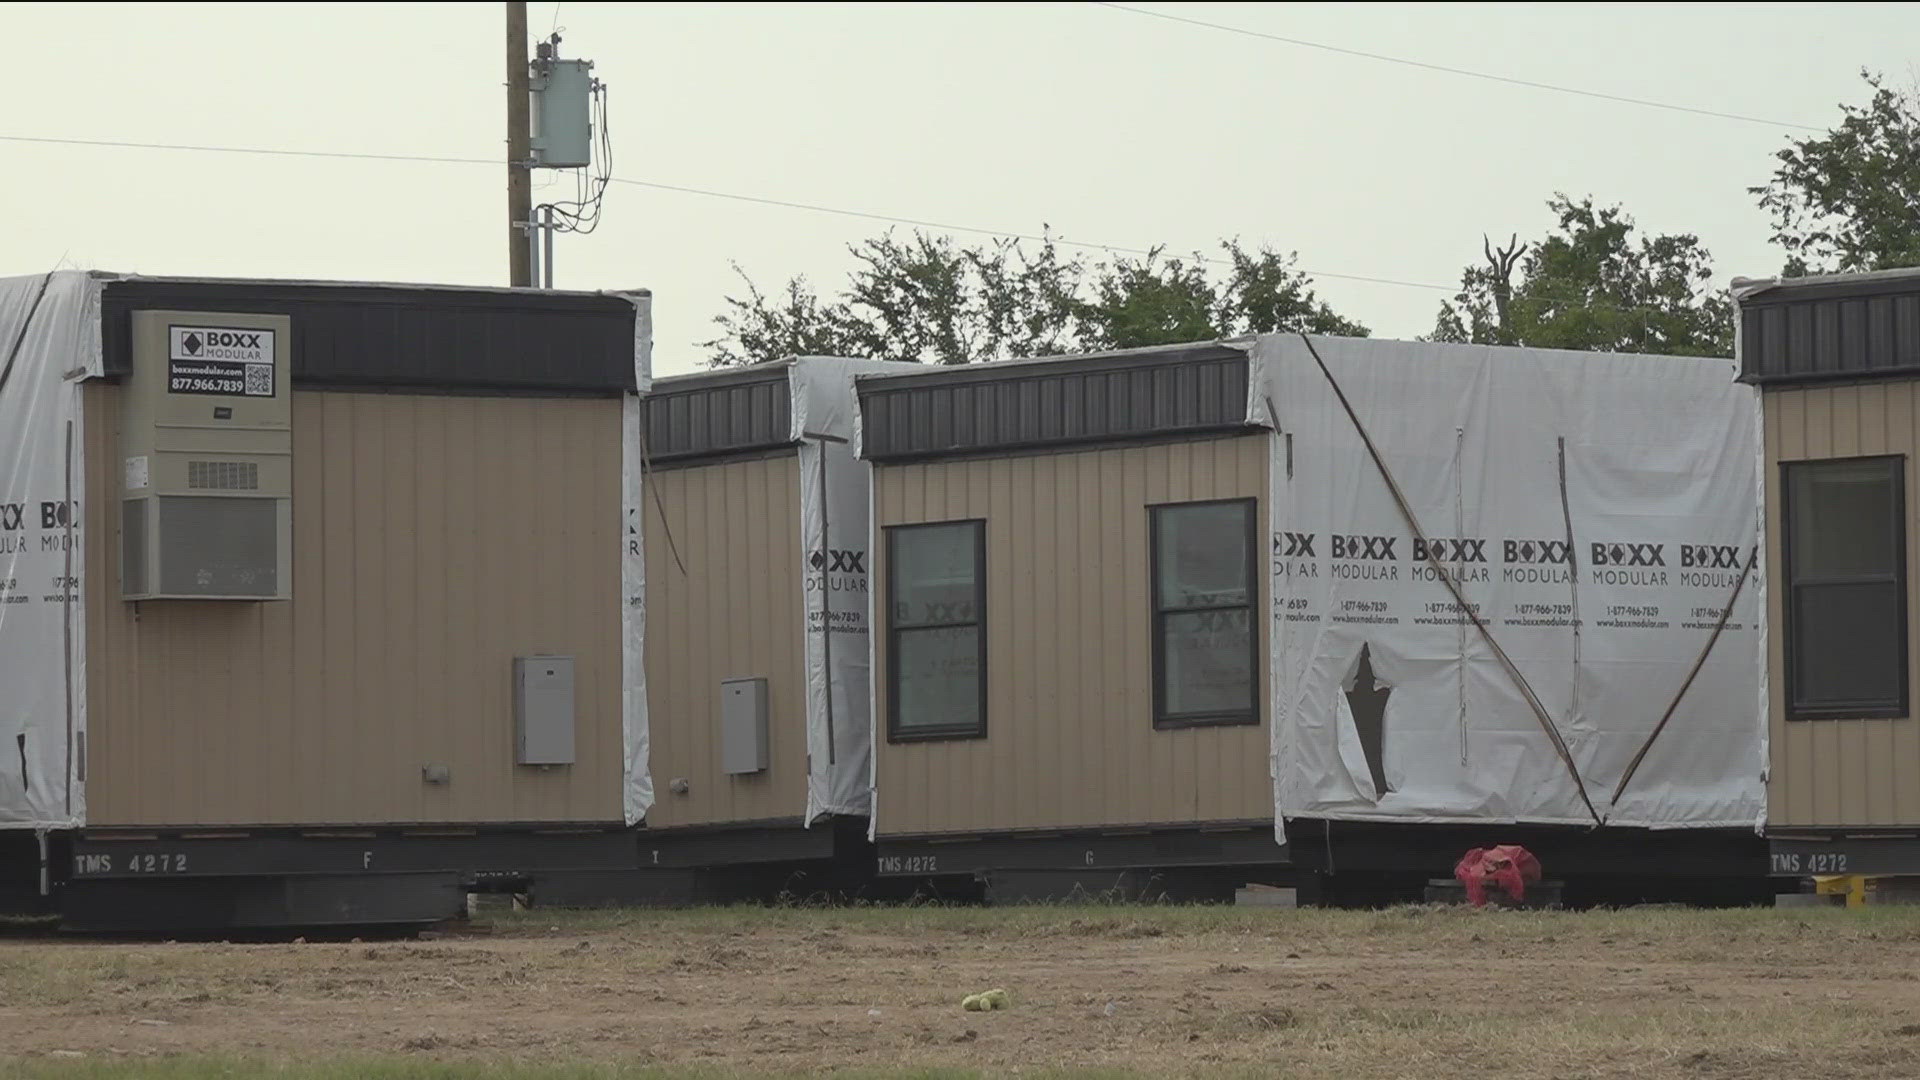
[[1146, 613], [755, 513], [314, 597], [1835, 361]]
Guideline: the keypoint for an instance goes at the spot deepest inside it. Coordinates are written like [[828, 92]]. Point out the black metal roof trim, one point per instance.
[[396, 336], [1055, 402], [720, 413], [1851, 327]]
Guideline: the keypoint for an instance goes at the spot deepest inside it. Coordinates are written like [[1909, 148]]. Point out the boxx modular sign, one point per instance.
[[236, 361]]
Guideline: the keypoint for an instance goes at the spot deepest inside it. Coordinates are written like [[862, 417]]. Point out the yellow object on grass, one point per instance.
[[986, 1001]]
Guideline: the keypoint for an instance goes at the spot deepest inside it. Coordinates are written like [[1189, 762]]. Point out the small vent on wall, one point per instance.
[[223, 475]]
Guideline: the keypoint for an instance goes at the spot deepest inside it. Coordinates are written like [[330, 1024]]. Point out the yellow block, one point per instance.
[[1852, 886]]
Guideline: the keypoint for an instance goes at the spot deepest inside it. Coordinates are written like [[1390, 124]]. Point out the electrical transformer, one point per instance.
[[562, 90], [207, 438]]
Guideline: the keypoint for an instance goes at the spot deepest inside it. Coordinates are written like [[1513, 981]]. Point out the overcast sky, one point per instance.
[[1107, 126]]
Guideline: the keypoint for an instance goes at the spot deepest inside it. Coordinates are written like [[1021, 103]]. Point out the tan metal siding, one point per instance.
[[435, 538], [1839, 772], [1070, 737], [733, 612]]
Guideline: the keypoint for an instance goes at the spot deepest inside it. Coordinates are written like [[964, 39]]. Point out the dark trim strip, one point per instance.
[[1056, 402], [400, 336], [725, 457], [1072, 446], [1047, 367]]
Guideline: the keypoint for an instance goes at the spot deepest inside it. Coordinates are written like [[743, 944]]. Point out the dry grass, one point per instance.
[[1411, 992]]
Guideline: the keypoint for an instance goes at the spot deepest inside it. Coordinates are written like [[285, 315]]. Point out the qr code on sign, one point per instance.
[[260, 380]]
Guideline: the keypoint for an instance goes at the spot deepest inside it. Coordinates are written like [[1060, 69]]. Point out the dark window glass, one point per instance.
[[1206, 650], [1846, 598], [936, 631]]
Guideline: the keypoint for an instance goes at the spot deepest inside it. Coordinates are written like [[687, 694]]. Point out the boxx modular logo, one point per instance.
[[1293, 545], [1710, 556], [1621, 553], [1449, 550], [838, 560], [1364, 548], [1536, 552]]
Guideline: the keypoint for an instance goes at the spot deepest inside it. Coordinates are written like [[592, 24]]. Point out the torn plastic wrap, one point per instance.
[[1612, 491], [1756, 402], [49, 344], [637, 775], [636, 772], [834, 534]]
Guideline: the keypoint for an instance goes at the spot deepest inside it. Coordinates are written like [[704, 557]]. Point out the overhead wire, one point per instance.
[[583, 220], [1509, 80], [789, 204], [683, 189]]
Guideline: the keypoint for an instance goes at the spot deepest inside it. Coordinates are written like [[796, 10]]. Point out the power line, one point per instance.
[[710, 193], [1464, 72], [760, 200], [924, 223], [254, 150]]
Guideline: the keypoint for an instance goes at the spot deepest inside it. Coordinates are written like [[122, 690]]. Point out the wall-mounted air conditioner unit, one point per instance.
[[207, 438]]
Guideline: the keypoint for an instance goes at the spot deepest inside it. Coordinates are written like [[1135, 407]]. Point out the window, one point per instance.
[[1205, 648], [937, 631], [1846, 595]]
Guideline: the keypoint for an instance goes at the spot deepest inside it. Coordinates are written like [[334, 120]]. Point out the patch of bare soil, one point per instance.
[[1415, 992]]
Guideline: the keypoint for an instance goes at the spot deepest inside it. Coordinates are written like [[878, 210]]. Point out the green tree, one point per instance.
[[928, 299], [793, 323], [1593, 284], [1163, 301], [1850, 199]]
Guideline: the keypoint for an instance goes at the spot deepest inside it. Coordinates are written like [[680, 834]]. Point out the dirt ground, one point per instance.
[[1412, 992]]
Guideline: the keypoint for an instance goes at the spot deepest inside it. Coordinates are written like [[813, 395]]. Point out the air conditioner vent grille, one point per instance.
[[223, 475]]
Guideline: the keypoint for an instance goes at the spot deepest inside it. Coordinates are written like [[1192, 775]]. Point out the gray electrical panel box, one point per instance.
[[543, 710], [207, 446], [562, 136], [743, 726]]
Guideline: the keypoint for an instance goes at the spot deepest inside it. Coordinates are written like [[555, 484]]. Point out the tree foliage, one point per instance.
[[1850, 199], [930, 299], [1593, 283]]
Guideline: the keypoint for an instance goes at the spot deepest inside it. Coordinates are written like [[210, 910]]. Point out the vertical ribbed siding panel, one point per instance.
[[1028, 551], [365, 643], [396, 648], [406, 579], [733, 612], [1064, 656], [494, 585], [1003, 723], [429, 601], [1070, 739], [338, 720], [466, 499]]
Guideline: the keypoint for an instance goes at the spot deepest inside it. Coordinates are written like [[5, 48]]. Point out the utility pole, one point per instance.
[[519, 152]]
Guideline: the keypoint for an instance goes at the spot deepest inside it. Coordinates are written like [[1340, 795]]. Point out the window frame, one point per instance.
[[1791, 584], [1158, 612], [949, 732]]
